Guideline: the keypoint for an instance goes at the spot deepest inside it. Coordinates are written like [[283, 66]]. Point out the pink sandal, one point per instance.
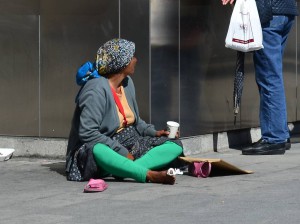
[[199, 169], [95, 185]]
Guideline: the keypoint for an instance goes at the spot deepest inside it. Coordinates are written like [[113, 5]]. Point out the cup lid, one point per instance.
[[173, 123]]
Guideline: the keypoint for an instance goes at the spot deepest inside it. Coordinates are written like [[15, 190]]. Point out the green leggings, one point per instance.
[[111, 162]]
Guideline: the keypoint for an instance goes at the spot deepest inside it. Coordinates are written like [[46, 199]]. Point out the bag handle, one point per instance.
[[119, 105]]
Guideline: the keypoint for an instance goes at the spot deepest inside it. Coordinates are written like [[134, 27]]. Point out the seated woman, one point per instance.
[[107, 121]]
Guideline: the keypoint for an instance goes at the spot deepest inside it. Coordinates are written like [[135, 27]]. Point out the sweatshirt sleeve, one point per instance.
[[145, 129], [92, 104]]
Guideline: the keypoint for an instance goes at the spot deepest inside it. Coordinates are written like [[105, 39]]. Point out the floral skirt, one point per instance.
[[139, 145]]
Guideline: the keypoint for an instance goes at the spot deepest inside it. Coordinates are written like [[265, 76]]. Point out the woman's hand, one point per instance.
[[225, 2], [164, 133]]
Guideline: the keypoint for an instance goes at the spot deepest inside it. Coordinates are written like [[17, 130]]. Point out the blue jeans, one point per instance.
[[269, 78]]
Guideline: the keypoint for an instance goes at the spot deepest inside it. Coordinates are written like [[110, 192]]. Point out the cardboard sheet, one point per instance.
[[218, 166]]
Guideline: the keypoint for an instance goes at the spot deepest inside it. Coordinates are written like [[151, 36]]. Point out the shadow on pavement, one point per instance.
[[58, 167]]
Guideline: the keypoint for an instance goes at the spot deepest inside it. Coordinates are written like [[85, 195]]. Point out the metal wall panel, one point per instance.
[[184, 72], [19, 7], [290, 74], [70, 35], [298, 64], [135, 27], [206, 68], [164, 39], [19, 73]]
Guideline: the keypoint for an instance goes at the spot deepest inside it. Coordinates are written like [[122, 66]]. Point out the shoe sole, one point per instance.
[[269, 152]]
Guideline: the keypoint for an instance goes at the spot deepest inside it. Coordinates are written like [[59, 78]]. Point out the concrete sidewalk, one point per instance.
[[36, 191]]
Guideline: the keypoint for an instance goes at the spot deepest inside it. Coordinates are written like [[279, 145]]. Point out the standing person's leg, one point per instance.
[[160, 156], [269, 77], [120, 166]]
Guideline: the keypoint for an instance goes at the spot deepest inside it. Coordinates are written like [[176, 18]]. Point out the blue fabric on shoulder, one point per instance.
[[86, 72]]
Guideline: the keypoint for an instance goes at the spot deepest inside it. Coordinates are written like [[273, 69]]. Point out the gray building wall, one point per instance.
[[184, 72]]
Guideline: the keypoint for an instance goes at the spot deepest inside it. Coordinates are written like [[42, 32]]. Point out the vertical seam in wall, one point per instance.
[[296, 68], [150, 74], [119, 19], [179, 67], [39, 79]]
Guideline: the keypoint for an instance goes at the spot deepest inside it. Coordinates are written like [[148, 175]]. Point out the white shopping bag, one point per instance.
[[244, 32]]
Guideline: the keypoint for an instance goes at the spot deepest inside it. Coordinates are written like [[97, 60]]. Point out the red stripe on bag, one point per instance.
[[242, 41]]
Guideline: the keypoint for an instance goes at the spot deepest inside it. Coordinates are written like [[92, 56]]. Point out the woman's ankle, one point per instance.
[[160, 177]]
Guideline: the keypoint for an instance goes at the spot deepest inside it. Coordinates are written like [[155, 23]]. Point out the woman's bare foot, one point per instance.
[[160, 177]]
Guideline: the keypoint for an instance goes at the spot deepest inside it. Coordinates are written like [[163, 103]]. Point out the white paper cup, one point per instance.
[[172, 128]]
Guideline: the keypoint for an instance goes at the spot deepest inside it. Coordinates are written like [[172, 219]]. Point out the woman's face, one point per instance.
[[131, 66]]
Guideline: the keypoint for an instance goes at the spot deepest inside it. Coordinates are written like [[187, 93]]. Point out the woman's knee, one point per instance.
[[100, 147], [177, 149]]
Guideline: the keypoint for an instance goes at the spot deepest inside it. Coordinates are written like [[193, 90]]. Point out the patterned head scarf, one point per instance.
[[114, 55]]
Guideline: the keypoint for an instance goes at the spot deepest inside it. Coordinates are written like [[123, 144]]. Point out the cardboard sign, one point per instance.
[[218, 166]]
